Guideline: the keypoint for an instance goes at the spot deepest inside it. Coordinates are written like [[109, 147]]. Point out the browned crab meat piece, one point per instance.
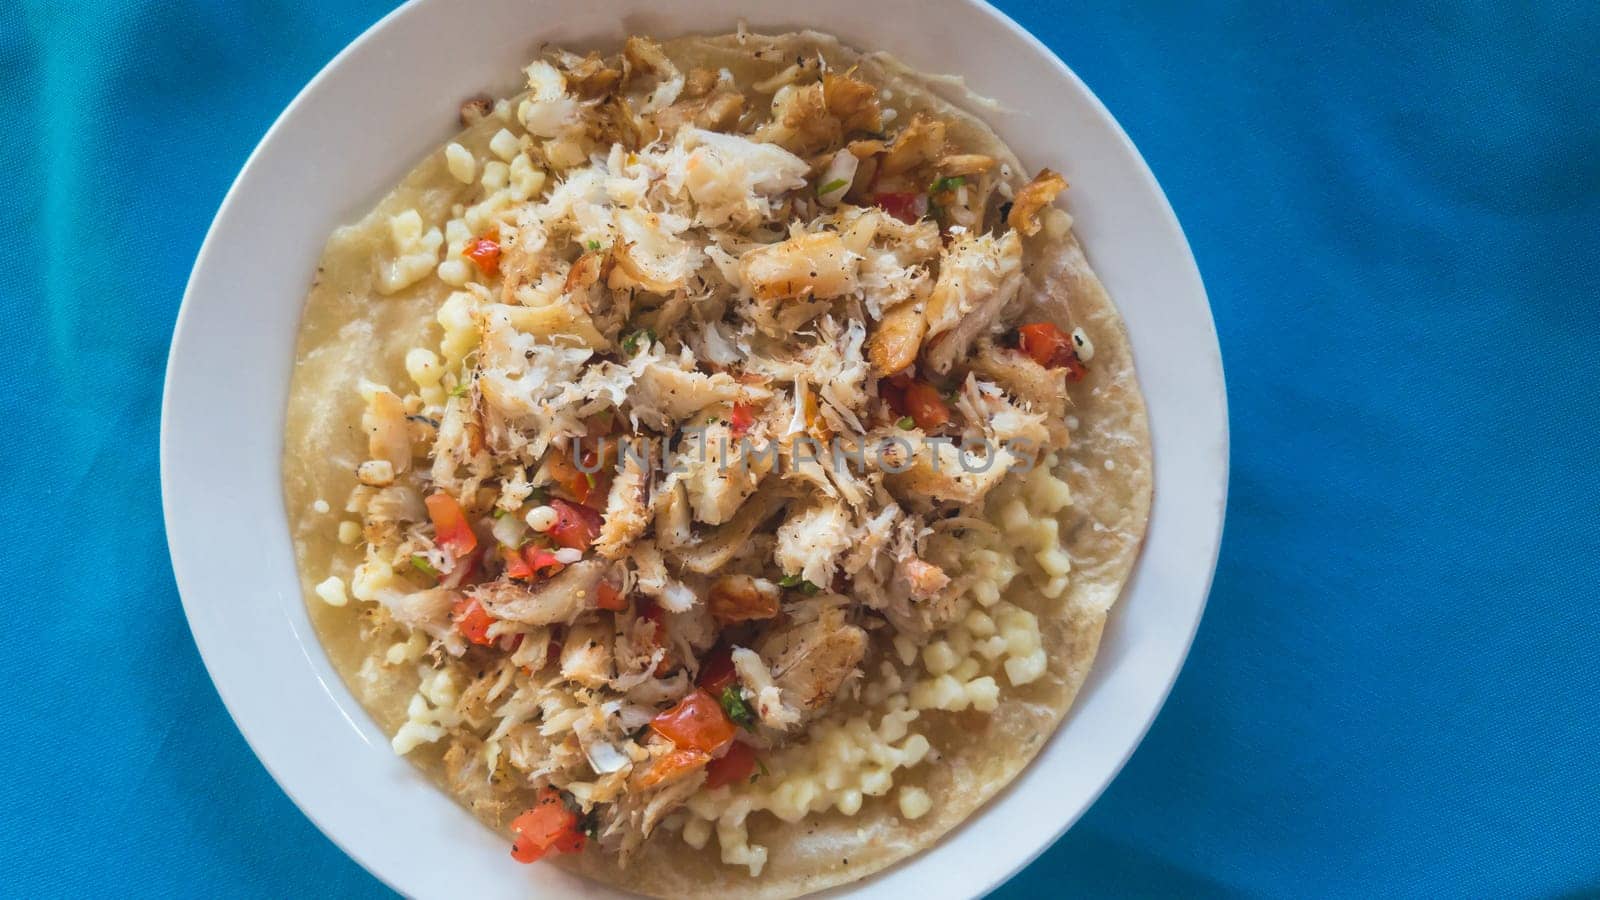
[[716, 112], [978, 278], [801, 122], [1033, 199], [964, 164], [640, 54], [699, 82], [655, 790], [894, 343], [742, 598], [920, 141], [559, 600], [811, 661], [591, 76], [853, 102]]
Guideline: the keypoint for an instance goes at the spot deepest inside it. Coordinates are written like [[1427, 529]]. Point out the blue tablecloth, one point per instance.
[[1397, 211]]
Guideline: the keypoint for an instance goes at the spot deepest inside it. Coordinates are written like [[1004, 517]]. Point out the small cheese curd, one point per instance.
[[430, 713], [505, 145], [462, 164], [1084, 346], [331, 590], [349, 532], [415, 252], [376, 473], [541, 518], [523, 179], [496, 174], [914, 802], [455, 272], [423, 366], [1057, 222]]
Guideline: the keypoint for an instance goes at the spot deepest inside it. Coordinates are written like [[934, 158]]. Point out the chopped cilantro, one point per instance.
[[460, 390], [500, 512], [421, 564], [948, 183], [795, 582], [593, 245], [630, 344], [738, 711], [831, 186], [906, 423]]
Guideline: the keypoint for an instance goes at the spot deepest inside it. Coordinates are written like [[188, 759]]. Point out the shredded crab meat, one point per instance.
[[739, 367]]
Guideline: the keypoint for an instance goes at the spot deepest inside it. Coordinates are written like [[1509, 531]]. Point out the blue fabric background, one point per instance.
[[1397, 210]]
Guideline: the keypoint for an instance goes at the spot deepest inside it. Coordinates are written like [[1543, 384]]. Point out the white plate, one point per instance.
[[352, 133]]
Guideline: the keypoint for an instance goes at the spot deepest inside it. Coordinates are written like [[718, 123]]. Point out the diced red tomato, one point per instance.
[[576, 525], [907, 206], [893, 392], [516, 565], [1044, 341], [570, 841], [649, 611], [472, 620], [924, 405], [716, 670], [696, 723], [485, 252], [601, 469], [549, 825], [607, 596], [568, 478], [735, 765], [1052, 348], [742, 419], [599, 454], [450, 527], [540, 560], [598, 458]]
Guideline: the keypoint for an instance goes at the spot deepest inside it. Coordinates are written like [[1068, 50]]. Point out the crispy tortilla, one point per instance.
[[349, 332]]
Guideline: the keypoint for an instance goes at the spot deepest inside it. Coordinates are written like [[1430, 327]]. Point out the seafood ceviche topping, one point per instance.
[[707, 489]]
